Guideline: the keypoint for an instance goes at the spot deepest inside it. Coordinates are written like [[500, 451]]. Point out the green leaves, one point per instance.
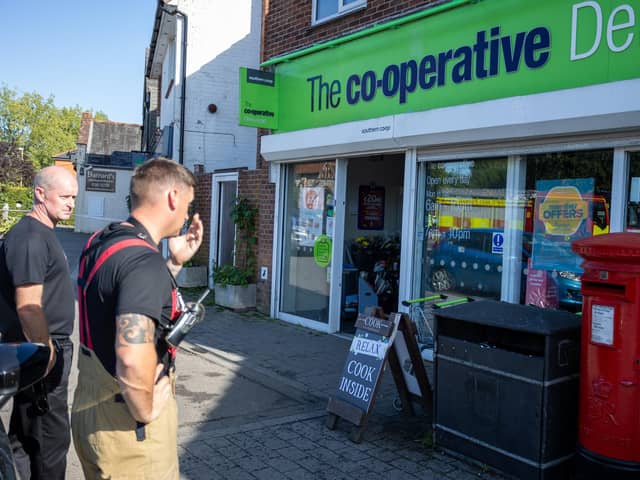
[[244, 215], [231, 275], [36, 125], [18, 199]]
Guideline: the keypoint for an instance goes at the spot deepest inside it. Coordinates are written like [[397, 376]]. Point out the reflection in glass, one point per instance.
[[464, 227], [568, 196], [226, 227], [326, 8], [633, 202], [475, 230], [309, 215]]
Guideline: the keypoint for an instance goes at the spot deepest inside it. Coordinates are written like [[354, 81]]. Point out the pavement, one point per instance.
[[252, 394]]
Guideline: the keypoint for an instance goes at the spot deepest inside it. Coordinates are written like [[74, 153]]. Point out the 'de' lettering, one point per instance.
[[621, 18]]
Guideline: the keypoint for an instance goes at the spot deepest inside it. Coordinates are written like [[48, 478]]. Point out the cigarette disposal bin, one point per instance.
[[506, 386], [609, 420]]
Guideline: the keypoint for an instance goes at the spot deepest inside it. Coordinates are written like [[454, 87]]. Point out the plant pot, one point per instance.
[[236, 297], [195, 276]]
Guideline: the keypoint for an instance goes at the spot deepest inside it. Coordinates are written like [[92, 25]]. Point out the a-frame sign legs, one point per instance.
[[424, 395], [401, 385]]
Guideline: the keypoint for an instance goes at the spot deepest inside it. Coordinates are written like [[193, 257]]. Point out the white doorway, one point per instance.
[[224, 193]]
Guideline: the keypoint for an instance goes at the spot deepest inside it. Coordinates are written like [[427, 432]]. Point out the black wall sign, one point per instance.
[[100, 181]]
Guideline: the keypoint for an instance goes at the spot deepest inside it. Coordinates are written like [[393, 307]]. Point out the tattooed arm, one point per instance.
[[137, 367]]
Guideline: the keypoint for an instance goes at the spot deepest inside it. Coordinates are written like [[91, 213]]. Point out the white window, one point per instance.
[[324, 10]]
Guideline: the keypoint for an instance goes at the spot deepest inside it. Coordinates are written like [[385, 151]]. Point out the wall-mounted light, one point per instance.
[[213, 108]]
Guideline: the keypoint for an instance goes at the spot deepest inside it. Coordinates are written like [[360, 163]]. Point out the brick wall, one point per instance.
[[287, 27], [255, 185], [202, 205], [287, 23]]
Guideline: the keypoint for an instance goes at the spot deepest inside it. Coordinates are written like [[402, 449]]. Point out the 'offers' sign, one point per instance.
[[258, 99]]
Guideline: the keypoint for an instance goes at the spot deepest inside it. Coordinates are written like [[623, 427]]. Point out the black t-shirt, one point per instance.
[[31, 254], [132, 280]]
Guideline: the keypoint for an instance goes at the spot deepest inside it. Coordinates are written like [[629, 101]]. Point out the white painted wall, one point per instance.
[[222, 37], [114, 205]]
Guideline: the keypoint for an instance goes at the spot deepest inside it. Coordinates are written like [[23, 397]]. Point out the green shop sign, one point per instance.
[[485, 50], [258, 98]]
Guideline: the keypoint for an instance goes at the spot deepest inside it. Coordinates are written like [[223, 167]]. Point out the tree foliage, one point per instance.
[[100, 115], [33, 123], [15, 168], [18, 199]]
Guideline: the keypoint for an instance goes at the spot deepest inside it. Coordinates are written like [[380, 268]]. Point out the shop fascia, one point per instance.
[[506, 48]]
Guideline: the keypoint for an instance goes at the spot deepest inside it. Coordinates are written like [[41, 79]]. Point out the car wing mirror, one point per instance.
[[21, 365]]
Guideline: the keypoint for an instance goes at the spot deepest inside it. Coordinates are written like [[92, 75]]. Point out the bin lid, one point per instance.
[[512, 316], [622, 246]]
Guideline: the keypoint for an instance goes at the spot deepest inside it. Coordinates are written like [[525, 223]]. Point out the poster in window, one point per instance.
[[311, 208], [562, 215], [541, 288], [370, 207]]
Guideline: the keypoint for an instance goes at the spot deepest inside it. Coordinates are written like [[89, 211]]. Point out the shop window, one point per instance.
[[324, 10], [308, 234], [464, 213], [567, 197], [633, 193], [478, 238]]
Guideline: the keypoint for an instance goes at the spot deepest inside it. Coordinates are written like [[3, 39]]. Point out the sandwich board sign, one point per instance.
[[360, 378], [372, 347]]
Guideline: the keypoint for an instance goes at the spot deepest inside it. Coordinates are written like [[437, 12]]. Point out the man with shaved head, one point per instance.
[[37, 305]]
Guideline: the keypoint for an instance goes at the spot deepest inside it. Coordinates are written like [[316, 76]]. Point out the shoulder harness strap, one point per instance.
[[85, 281]]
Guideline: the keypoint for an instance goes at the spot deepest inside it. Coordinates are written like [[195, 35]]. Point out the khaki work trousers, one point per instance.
[[104, 432]]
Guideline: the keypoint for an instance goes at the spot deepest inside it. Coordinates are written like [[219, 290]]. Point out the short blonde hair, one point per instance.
[[154, 173]]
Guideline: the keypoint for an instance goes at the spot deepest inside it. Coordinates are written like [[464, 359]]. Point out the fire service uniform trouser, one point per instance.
[[104, 432]]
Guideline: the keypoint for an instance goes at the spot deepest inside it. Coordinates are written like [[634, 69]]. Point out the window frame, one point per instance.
[[342, 10]]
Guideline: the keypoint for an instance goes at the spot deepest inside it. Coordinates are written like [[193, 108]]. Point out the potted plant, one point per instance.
[[234, 285], [192, 275]]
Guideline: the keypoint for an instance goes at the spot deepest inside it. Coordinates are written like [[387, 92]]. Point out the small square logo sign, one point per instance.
[[497, 243]]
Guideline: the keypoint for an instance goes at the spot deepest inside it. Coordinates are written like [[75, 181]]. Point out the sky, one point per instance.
[[88, 53]]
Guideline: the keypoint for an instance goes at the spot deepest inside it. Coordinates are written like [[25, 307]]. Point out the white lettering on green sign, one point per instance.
[[584, 9]]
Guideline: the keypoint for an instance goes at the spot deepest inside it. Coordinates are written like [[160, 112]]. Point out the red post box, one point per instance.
[[609, 415]]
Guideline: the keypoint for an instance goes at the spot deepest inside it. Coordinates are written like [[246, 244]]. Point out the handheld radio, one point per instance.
[[192, 315]]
